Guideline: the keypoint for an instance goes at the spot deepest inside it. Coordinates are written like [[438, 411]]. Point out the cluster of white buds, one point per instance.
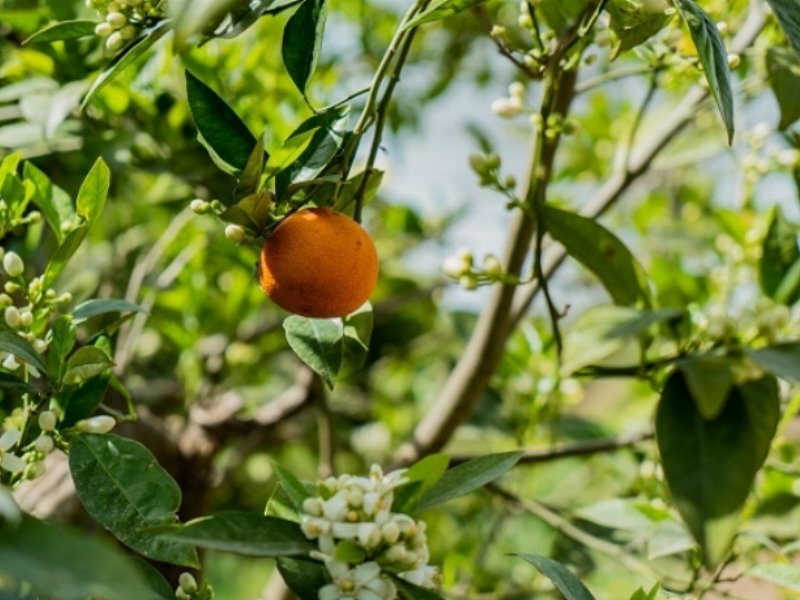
[[461, 268], [123, 19], [20, 457], [22, 304], [510, 107], [361, 541]]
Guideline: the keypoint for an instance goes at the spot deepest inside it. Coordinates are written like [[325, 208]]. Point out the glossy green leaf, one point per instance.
[[710, 465], [788, 14], [782, 574], [783, 73], [246, 533], [82, 401], [294, 488], [782, 359], [102, 306], [318, 343], [421, 476], [602, 252], [468, 477], [86, 363], [304, 578], [250, 179], [292, 149], [127, 57], [635, 21], [61, 563], [198, 16], [55, 203], [222, 132], [22, 349], [12, 382], [566, 583], [123, 488], [710, 379], [713, 56], [357, 334], [640, 594], [780, 253], [409, 591], [63, 340], [64, 30], [302, 41]]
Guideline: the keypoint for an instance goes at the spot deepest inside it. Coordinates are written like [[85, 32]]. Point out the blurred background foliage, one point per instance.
[[696, 221]]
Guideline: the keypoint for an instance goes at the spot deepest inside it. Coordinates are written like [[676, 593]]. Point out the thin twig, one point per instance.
[[486, 23], [580, 449]]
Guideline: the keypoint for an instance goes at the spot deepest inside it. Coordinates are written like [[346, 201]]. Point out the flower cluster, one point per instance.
[[123, 19], [362, 542], [24, 305], [461, 268]]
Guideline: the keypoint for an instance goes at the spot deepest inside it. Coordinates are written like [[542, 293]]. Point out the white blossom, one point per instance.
[[13, 264]]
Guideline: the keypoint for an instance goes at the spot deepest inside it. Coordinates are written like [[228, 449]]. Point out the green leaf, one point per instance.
[[409, 591], [782, 359], [249, 181], [635, 21], [82, 401], [65, 30], [710, 465], [318, 343], [788, 14], [304, 578], [348, 551], [67, 565], [222, 132], [65, 251], [291, 150], [468, 477], [602, 253], [640, 594], [780, 253], [55, 203], [123, 488], [12, 382], [160, 587], [246, 533], [421, 477], [604, 331], [21, 348], [93, 192], [294, 488], [713, 56], [785, 575], [357, 333], [127, 57], [668, 538], [302, 41], [85, 364], [240, 19], [783, 73], [63, 340], [330, 129], [442, 10], [618, 513], [566, 583], [710, 380], [102, 306]]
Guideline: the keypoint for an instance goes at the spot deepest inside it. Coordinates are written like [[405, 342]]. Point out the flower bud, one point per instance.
[[128, 32], [235, 233], [199, 206], [10, 363], [492, 266], [47, 420], [13, 317], [117, 20], [734, 60], [11, 287], [12, 463], [40, 346], [506, 108], [44, 444], [99, 424], [26, 318], [13, 264], [103, 29], [9, 439], [454, 267], [516, 90], [33, 470], [115, 41], [188, 583], [5, 301], [468, 282]]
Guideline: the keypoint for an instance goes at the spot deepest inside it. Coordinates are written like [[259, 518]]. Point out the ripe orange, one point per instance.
[[319, 263]]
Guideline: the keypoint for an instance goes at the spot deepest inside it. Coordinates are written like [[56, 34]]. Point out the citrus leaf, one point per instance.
[[302, 41], [566, 583], [780, 253], [65, 30], [409, 591], [102, 306], [713, 56], [710, 465], [782, 359], [245, 533], [710, 380], [788, 14], [318, 343], [783, 73], [600, 251], [123, 488], [22, 349], [221, 129], [294, 488], [86, 363], [304, 578], [468, 477]]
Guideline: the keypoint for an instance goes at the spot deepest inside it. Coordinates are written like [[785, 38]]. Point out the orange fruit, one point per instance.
[[319, 263]]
